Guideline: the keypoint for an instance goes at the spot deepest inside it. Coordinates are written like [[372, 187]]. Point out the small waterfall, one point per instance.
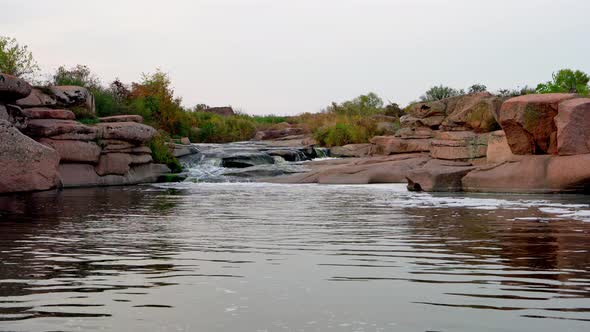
[[322, 152], [244, 161]]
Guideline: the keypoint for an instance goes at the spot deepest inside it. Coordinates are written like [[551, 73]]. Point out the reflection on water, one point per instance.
[[260, 257]]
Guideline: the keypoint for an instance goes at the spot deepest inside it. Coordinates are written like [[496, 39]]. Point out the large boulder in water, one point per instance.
[[573, 127], [438, 175], [528, 122], [25, 165], [84, 175], [532, 174], [13, 88]]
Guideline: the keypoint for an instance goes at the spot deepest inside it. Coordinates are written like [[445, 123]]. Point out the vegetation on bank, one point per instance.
[[152, 97]]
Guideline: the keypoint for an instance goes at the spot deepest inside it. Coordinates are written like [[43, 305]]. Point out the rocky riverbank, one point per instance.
[[473, 143], [42, 146]]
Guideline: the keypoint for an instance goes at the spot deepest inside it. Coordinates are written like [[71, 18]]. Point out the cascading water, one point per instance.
[[246, 161]]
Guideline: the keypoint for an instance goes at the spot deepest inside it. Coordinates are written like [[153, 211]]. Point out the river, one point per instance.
[[268, 257]]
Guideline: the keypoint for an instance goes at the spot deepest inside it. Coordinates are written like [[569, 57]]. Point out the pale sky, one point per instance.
[[293, 56]]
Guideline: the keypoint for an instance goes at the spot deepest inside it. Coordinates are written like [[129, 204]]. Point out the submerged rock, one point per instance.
[[247, 159]]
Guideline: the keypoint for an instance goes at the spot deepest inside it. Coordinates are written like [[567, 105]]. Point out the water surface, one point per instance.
[[263, 257]]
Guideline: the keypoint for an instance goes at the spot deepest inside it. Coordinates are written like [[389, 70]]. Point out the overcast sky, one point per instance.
[[293, 56]]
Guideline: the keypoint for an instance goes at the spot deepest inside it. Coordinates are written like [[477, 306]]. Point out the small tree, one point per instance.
[[368, 104], [79, 75], [16, 60], [566, 80], [476, 88], [440, 92]]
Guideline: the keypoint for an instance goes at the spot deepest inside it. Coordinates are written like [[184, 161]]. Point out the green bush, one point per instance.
[[347, 131], [162, 154], [214, 128], [566, 81]]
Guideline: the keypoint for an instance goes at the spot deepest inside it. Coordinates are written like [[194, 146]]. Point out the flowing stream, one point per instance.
[[216, 254]]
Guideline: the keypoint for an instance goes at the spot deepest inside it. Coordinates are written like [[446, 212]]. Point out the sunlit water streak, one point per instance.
[[263, 257]]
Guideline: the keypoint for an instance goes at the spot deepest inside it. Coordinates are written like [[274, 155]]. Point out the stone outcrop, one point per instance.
[[126, 131], [14, 115], [61, 150], [73, 150], [13, 88], [84, 175], [352, 150], [529, 122], [388, 145], [573, 127], [469, 112], [69, 96], [278, 133], [53, 127], [472, 112], [459, 145], [38, 98], [498, 148], [25, 165], [122, 118], [48, 113], [382, 169], [74, 98], [532, 174]]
